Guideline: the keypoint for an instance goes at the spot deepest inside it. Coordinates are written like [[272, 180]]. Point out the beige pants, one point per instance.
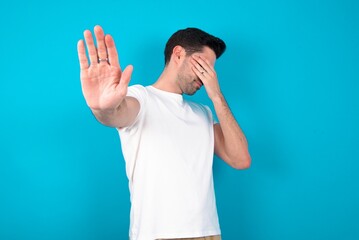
[[217, 237]]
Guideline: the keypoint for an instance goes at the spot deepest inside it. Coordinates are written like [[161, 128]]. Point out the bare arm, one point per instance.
[[230, 142], [104, 84], [120, 117]]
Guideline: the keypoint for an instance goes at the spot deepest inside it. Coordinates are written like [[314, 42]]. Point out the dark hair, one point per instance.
[[193, 40]]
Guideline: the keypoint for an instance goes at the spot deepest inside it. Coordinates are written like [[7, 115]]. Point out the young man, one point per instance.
[[167, 141]]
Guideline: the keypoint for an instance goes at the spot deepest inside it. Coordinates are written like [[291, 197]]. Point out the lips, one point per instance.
[[199, 83]]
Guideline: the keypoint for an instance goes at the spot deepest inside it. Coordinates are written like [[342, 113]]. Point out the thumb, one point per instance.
[[126, 76]]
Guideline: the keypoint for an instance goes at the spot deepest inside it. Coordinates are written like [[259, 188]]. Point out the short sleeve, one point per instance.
[[212, 117], [138, 92], [215, 121]]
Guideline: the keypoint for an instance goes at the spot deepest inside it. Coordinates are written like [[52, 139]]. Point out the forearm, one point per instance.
[[107, 117], [117, 117], [234, 141], [230, 142]]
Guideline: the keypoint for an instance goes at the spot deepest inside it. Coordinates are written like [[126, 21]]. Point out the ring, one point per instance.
[[103, 60]]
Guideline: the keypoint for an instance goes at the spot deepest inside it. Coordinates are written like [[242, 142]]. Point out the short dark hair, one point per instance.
[[193, 40]]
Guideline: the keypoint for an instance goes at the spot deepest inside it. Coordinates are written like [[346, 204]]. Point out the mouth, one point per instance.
[[199, 83]]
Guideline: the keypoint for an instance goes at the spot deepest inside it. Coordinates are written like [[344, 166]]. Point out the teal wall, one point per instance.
[[290, 75]]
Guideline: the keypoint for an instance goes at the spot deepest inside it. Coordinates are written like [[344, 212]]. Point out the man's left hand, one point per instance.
[[206, 73]]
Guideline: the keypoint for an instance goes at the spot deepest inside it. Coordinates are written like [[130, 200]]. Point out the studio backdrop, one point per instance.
[[290, 75]]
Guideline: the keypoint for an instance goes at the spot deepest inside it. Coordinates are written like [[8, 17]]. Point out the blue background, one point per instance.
[[290, 75]]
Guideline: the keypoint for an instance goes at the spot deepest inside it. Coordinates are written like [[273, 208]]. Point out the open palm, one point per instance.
[[104, 85]]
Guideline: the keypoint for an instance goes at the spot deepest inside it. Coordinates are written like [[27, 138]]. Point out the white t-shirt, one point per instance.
[[169, 154]]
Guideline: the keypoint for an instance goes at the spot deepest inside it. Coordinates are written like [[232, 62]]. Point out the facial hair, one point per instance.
[[186, 81]]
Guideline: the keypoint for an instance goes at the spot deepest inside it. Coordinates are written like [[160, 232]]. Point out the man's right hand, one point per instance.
[[104, 85]]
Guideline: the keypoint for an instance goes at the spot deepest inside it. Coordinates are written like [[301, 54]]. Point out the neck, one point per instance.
[[168, 81]]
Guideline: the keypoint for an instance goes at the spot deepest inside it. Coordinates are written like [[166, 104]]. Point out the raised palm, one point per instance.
[[104, 85]]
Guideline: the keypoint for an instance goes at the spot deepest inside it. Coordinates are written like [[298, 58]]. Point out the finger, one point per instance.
[[100, 39], [208, 63], [112, 52], [202, 63], [91, 47], [81, 51], [198, 67], [200, 74], [126, 77]]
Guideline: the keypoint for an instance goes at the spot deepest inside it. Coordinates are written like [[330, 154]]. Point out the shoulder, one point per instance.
[[137, 87], [199, 107], [205, 111], [137, 91]]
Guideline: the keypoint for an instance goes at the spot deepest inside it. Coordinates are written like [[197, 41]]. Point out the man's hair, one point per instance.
[[193, 40]]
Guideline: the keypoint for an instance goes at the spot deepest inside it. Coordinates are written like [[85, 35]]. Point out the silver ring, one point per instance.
[[103, 60]]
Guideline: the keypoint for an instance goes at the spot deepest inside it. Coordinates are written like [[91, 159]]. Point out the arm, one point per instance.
[[122, 116], [103, 83], [230, 142]]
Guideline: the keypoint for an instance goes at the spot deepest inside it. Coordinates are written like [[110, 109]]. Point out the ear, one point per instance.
[[178, 54]]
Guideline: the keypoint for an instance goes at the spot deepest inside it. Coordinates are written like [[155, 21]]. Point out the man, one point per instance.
[[167, 141]]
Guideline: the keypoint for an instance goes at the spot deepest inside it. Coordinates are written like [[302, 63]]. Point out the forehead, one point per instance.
[[208, 54]]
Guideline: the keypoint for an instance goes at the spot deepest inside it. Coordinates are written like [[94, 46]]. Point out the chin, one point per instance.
[[190, 93], [193, 92]]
